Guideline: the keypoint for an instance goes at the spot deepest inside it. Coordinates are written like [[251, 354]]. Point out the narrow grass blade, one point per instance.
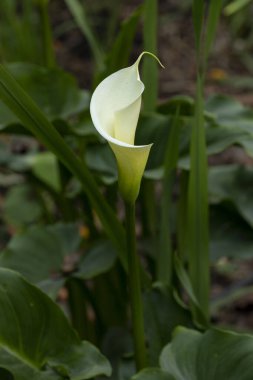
[[115, 8], [235, 6], [182, 240], [33, 119], [198, 7], [183, 277], [47, 41], [211, 25], [150, 68], [120, 51], [197, 220], [80, 17], [10, 23], [164, 261], [150, 78], [198, 229]]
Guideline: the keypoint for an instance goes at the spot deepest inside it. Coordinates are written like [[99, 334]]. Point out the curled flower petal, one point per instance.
[[115, 108]]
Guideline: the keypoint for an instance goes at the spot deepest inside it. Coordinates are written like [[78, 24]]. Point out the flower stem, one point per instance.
[[49, 57], [135, 289]]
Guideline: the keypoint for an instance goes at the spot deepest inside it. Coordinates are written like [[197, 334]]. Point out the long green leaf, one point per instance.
[[198, 234], [211, 24], [159, 303], [198, 19], [150, 68], [33, 119], [80, 17], [120, 51], [183, 278], [235, 6], [198, 229], [164, 261], [46, 34]]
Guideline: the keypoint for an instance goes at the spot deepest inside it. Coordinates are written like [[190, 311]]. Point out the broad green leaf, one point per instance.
[[48, 338], [233, 183], [216, 354], [228, 123], [22, 371], [100, 160], [152, 374], [219, 138], [232, 123], [21, 208], [44, 165], [117, 347], [154, 128], [174, 359], [38, 253], [54, 90], [97, 260], [159, 303], [68, 234], [184, 102], [82, 361], [225, 108], [52, 286], [230, 235]]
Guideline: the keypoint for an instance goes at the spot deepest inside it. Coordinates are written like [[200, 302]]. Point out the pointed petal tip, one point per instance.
[[152, 55]]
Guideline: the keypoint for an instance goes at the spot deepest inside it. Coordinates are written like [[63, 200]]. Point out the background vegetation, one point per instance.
[[64, 276]]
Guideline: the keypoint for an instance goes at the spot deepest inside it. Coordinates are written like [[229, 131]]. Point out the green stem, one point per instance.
[[49, 58], [164, 262], [148, 208], [135, 289], [78, 307], [182, 216]]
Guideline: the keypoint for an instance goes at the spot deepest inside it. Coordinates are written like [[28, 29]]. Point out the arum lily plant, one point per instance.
[[115, 108]]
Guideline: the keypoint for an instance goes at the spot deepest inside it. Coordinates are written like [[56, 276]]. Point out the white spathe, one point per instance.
[[115, 108]]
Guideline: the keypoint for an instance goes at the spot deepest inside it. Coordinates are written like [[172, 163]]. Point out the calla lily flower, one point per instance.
[[115, 108]]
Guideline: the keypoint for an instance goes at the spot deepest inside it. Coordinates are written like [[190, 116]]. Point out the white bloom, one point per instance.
[[115, 108]]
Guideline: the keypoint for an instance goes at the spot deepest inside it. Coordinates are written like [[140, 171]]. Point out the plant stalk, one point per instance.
[[49, 58], [135, 289]]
